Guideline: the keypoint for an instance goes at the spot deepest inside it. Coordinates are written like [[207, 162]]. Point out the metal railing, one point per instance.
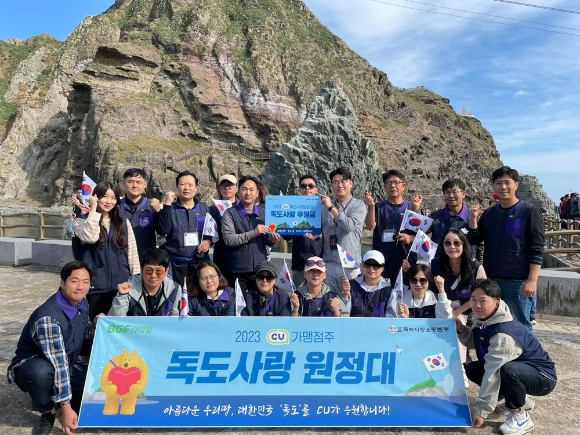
[[266, 155], [562, 241], [41, 226]]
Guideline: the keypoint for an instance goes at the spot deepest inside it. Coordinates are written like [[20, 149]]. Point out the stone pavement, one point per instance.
[[22, 289]]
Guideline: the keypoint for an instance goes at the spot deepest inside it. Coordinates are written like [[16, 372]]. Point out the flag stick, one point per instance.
[[343, 269], [427, 370]]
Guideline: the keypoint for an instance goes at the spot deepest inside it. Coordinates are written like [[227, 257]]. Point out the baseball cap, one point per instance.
[[228, 177], [267, 266], [314, 265], [374, 255]]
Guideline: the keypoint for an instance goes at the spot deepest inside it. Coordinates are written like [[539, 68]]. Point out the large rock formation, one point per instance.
[[328, 138], [214, 86], [531, 190]]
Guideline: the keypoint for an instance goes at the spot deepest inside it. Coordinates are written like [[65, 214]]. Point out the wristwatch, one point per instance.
[[331, 207], [66, 402]]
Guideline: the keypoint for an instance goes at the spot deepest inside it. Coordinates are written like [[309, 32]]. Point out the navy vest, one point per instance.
[[533, 354], [164, 307], [459, 294], [361, 299], [142, 224], [244, 258], [219, 247], [505, 254], [424, 312], [319, 307], [219, 307], [440, 225], [185, 220], [303, 249], [73, 331], [278, 305], [111, 265]]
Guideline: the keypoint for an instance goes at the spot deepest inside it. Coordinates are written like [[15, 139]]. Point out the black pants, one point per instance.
[[517, 380], [36, 377], [100, 303], [247, 280]]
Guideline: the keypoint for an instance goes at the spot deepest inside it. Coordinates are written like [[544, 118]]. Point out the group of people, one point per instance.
[[120, 271]]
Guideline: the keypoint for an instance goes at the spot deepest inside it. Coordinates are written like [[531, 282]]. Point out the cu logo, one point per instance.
[[278, 336]]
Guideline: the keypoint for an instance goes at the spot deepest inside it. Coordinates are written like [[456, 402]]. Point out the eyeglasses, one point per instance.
[[452, 192], [456, 243], [309, 185], [265, 278], [227, 186], [422, 281], [393, 182], [158, 272], [375, 266], [207, 278], [337, 182], [318, 263]]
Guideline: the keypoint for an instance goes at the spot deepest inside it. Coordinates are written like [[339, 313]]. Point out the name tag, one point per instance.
[[190, 239], [388, 236]]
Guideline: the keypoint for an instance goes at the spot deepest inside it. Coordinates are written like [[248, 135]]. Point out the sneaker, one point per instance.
[[44, 425], [533, 320], [517, 424], [501, 409]]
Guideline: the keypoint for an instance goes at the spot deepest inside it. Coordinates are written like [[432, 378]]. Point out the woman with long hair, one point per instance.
[[105, 240], [421, 302], [209, 294]]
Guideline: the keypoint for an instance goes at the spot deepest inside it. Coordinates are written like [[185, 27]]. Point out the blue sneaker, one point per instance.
[[517, 424]]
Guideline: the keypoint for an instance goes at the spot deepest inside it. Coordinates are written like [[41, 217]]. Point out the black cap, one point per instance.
[[266, 265]]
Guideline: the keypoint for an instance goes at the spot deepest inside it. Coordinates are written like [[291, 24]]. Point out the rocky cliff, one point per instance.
[[214, 86]]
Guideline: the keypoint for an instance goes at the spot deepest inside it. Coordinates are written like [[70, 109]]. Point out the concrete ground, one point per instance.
[[23, 289]]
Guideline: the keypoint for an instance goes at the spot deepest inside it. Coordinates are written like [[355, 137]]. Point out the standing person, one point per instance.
[[263, 192], [342, 222], [104, 239], [266, 299], [78, 207], [246, 235], [420, 302], [228, 188], [315, 299], [563, 214], [370, 295], [384, 220], [140, 211], [455, 214], [45, 365], [513, 231], [306, 246], [510, 361], [182, 224], [209, 292], [152, 293]]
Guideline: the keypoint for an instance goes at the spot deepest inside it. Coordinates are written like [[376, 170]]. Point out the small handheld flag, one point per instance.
[[221, 204], [435, 362], [346, 259], [415, 221], [210, 228], [183, 308], [240, 301], [424, 246], [399, 288], [87, 188], [284, 280]]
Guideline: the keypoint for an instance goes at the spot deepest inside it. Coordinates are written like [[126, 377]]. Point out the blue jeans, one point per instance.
[[36, 377], [517, 380], [518, 304]]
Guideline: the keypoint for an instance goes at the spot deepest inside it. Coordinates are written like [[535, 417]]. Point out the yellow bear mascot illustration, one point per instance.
[[123, 378]]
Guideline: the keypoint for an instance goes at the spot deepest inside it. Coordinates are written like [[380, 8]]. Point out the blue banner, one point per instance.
[[274, 372], [293, 215]]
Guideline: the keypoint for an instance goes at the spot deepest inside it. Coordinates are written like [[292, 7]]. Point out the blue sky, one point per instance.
[[522, 84]]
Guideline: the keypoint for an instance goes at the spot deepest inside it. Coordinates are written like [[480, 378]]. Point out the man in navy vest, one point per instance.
[[384, 220], [511, 363], [228, 188], [455, 214], [306, 246], [246, 235], [46, 364], [513, 232], [138, 210]]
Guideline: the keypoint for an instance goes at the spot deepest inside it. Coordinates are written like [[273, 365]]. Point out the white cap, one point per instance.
[[375, 255]]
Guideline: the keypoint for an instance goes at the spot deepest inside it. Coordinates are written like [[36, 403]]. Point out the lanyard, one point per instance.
[[402, 207], [343, 208]]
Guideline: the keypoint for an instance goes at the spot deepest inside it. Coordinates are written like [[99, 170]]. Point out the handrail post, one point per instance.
[[41, 226]]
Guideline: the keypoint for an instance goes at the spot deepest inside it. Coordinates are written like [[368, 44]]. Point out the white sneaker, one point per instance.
[[501, 409], [517, 424], [465, 380]]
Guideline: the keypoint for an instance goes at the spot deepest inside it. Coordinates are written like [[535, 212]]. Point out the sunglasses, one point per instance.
[[265, 278], [422, 281], [375, 266], [456, 243], [309, 185], [318, 263], [150, 272]]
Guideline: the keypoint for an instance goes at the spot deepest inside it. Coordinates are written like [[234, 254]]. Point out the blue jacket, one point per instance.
[[224, 305], [143, 223], [443, 220], [318, 307], [385, 305], [277, 305], [460, 293]]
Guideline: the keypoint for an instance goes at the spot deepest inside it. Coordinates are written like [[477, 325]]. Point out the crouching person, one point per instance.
[[151, 293], [209, 292], [511, 362], [46, 364], [266, 299]]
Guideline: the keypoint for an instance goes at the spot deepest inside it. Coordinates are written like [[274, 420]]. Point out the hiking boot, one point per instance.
[[517, 424], [528, 406], [44, 425]]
